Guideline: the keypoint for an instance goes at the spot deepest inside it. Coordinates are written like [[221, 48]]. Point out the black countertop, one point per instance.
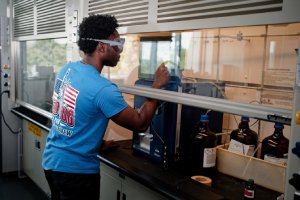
[[175, 183], [172, 182]]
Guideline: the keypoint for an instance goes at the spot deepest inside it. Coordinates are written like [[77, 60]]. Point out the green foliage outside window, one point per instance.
[[50, 53]]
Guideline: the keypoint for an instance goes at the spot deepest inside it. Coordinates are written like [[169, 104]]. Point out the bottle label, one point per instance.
[[249, 193], [209, 158], [280, 161], [241, 148]]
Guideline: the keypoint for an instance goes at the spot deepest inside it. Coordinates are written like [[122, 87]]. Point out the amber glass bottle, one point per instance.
[[275, 147], [203, 147], [243, 140]]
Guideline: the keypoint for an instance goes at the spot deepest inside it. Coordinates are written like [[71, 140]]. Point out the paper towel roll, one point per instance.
[[202, 179]]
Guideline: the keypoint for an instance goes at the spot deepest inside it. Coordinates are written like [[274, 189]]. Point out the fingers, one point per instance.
[[161, 76], [164, 71], [163, 68]]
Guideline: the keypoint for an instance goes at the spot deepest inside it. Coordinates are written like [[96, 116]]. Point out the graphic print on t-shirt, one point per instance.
[[64, 103]]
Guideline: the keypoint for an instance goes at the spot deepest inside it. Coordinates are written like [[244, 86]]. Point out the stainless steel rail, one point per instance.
[[255, 111], [251, 110]]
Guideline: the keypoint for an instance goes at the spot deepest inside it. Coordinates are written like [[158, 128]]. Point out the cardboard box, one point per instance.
[[264, 173]]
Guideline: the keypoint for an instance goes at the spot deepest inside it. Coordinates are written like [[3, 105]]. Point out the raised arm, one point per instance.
[[140, 120]]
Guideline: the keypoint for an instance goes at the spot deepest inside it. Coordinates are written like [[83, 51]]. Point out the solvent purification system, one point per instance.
[[165, 141]]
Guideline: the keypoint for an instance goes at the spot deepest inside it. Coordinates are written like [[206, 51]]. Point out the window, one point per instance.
[[40, 61]]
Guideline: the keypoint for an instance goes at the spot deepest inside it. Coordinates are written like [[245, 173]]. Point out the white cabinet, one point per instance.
[[115, 185], [110, 187], [34, 140]]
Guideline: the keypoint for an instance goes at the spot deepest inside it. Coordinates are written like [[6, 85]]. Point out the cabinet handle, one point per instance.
[[118, 194], [124, 196]]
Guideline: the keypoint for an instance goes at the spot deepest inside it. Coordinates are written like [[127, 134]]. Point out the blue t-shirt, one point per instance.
[[83, 102]]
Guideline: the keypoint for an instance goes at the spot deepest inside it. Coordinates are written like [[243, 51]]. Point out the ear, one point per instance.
[[100, 48]]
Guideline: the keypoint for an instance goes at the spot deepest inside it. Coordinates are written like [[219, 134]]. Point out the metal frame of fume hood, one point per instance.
[[255, 111]]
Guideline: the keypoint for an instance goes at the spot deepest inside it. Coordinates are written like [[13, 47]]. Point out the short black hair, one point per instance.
[[96, 27]]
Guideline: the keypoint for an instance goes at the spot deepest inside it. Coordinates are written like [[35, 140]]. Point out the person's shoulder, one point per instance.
[[76, 65], [73, 64], [107, 81], [68, 65]]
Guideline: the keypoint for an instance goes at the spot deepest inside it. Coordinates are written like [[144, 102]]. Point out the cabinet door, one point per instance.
[[135, 191], [110, 187], [34, 140]]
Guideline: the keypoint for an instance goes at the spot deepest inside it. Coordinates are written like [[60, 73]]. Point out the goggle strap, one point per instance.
[[112, 43]]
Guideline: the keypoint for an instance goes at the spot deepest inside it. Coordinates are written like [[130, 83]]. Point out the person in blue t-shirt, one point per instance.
[[83, 103]]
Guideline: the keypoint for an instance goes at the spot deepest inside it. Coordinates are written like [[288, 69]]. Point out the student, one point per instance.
[[83, 103]]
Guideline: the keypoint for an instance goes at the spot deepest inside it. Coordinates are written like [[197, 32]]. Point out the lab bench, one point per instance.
[[169, 182], [135, 174]]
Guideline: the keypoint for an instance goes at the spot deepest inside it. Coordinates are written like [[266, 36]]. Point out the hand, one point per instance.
[[161, 77]]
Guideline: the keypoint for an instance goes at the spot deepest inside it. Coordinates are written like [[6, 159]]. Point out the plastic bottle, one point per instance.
[[249, 191], [243, 140], [203, 147], [275, 147]]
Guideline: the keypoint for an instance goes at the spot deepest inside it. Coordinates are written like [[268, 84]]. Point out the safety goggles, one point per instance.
[[119, 42]]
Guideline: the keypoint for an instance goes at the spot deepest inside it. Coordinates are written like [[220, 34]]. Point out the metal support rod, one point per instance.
[[243, 109], [255, 111]]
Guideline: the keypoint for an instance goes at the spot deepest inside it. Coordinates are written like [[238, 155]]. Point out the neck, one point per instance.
[[93, 62]]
